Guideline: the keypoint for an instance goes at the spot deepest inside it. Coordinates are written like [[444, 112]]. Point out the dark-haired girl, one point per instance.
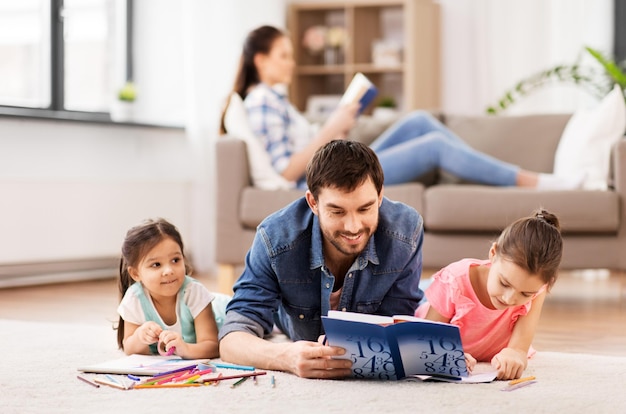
[[163, 310], [497, 302]]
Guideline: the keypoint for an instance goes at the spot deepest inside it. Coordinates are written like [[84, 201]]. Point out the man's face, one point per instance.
[[347, 219]]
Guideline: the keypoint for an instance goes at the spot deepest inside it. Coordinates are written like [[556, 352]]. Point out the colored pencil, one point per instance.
[[166, 377], [518, 385], [169, 385], [193, 373], [225, 377], [217, 382], [88, 381], [187, 368], [517, 381], [239, 382], [190, 379], [233, 366], [110, 384]]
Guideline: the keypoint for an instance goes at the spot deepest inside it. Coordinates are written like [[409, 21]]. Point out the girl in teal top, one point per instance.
[[162, 309]]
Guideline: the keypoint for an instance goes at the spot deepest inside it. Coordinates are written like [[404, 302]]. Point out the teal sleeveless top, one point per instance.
[[186, 319]]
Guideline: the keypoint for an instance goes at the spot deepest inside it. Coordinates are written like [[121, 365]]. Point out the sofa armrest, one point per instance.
[[233, 175], [619, 168]]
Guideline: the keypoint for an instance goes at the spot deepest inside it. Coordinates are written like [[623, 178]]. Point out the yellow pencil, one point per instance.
[[517, 381], [191, 379]]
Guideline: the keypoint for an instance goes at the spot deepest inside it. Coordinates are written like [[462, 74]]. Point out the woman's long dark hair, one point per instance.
[[138, 242], [259, 40]]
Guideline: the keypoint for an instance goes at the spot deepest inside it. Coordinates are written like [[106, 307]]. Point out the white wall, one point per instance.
[[489, 45], [71, 190], [214, 33]]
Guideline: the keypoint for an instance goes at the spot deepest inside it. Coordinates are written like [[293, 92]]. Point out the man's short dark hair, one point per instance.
[[345, 165]]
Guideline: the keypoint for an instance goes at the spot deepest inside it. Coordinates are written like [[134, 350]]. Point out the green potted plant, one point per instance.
[[385, 108], [128, 93], [597, 79], [122, 108]]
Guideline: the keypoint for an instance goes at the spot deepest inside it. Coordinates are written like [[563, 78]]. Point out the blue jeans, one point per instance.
[[418, 143]]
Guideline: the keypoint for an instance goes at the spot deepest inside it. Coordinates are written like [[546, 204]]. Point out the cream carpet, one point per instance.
[[39, 375]]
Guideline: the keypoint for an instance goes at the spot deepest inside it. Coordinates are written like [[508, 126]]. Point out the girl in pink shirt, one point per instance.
[[497, 302]]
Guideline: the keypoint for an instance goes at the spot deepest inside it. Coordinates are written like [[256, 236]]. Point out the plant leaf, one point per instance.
[[609, 66]]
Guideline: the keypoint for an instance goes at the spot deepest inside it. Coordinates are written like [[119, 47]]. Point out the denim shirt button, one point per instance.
[[343, 309], [327, 285], [301, 316], [350, 276]]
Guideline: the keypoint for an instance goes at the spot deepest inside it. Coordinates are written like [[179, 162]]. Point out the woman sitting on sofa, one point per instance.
[[413, 146]]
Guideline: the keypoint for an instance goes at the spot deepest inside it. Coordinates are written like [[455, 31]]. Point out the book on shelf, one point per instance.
[[360, 90], [397, 347], [137, 364]]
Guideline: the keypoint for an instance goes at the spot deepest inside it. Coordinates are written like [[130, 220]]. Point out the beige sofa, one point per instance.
[[460, 219]]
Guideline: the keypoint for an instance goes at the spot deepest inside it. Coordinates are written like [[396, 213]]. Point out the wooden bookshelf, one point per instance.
[[412, 25]]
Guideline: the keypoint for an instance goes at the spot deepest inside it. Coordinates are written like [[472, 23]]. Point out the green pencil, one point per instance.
[[240, 381]]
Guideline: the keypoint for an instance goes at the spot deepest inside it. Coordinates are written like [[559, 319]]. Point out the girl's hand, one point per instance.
[[148, 333], [170, 339], [342, 120], [470, 361], [510, 363]]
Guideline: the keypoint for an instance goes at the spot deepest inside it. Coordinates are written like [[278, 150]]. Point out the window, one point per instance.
[[619, 32], [63, 57], [87, 46], [25, 48]]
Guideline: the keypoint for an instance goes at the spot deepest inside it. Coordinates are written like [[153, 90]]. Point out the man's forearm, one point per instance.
[[246, 349]]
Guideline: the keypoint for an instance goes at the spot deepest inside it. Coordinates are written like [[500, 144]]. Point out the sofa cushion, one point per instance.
[[528, 141], [588, 138], [261, 170], [368, 128], [257, 204], [411, 194], [471, 208]]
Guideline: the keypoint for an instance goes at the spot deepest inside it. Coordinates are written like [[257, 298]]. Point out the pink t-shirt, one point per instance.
[[484, 331]]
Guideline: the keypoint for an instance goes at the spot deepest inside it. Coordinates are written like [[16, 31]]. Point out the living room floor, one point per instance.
[[585, 312]]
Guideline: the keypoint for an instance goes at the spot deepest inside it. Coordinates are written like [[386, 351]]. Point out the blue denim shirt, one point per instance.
[[285, 281]]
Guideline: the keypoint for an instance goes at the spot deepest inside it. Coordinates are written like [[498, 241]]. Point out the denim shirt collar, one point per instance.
[[369, 254]]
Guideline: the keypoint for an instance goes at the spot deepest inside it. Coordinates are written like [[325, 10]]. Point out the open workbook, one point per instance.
[[384, 347], [136, 364]]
